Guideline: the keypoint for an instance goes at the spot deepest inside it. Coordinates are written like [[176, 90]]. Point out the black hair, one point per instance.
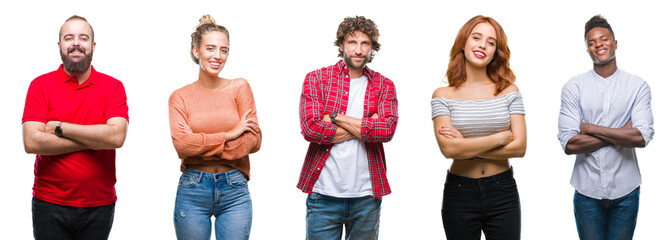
[[597, 21]]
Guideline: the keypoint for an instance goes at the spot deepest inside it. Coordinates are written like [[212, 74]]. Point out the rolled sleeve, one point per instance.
[[642, 115], [569, 122]]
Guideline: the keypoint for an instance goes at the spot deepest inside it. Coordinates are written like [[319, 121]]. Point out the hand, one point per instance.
[[450, 132], [628, 125], [505, 137], [375, 116], [586, 127], [51, 127], [245, 125], [326, 118], [184, 127]]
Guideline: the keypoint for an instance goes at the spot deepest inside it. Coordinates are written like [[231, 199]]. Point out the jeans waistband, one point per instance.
[[508, 174], [224, 176]]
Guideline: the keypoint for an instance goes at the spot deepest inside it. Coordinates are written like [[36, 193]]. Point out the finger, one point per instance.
[[247, 113], [249, 129]]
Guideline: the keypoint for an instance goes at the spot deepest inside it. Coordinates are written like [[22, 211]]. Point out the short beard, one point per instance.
[[77, 66], [349, 63]]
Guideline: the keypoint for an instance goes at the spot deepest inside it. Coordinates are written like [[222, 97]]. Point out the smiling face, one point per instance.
[[481, 45], [357, 48], [76, 45], [212, 52], [601, 45]]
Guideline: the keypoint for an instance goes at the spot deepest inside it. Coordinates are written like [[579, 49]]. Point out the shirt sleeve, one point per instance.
[[516, 104], [117, 105], [383, 128], [642, 115], [36, 104], [439, 107], [312, 110], [569, 121]]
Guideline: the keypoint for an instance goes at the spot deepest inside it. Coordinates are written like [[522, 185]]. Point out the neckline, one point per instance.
[[481, 100]]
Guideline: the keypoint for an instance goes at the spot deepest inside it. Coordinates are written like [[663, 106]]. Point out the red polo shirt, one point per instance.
[[84, 178]]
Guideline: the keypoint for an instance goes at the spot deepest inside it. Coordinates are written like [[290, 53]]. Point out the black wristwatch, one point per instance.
[[333, 115], [59, 131]]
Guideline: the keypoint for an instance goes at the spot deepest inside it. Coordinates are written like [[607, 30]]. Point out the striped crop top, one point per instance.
[[476, 118]]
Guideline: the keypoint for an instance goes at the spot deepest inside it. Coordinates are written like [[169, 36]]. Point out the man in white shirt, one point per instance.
[[605, 115]]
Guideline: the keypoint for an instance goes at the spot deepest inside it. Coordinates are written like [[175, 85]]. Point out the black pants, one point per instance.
[[53, 221], [489, 204]]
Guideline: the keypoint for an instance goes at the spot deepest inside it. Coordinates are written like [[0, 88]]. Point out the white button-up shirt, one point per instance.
[[613, 171]]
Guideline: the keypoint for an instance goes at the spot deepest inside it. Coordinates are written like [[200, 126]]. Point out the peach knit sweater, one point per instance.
[[211, 114]]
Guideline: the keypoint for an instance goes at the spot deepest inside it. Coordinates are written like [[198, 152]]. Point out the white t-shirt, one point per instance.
[[346, 171]]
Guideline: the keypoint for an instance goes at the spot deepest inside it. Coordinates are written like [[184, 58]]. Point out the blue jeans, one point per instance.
[[606, 219], [53, 221], [201, 195], [488, 204], [326, 215]]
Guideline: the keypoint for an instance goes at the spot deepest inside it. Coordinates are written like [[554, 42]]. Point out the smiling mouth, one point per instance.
[[479, 54]]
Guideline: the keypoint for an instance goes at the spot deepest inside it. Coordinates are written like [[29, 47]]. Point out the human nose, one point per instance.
[[482, 44], [217, 55], [357, 49]]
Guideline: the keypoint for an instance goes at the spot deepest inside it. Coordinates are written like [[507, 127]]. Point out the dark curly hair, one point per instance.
[[597, 21], [358, 23], [498, 69]]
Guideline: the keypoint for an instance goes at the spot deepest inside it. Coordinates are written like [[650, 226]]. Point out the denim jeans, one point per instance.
[[606, 219], [326, 215], [202, 195], [489, 204], [53, 221]]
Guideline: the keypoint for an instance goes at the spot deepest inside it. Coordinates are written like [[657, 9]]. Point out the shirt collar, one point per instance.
[[344, 69], [62, 76]]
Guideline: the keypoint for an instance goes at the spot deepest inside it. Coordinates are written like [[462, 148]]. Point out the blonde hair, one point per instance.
[[207, 24]]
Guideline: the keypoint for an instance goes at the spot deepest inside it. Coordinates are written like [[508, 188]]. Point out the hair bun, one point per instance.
[[205, 19]]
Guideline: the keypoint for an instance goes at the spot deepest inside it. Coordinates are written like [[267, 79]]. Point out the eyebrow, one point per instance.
[[477, 33], [214, 45]]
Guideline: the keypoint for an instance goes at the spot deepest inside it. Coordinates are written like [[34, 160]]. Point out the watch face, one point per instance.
[[59, 131]]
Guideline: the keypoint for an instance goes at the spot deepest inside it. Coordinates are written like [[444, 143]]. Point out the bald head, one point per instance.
[[78, 21]]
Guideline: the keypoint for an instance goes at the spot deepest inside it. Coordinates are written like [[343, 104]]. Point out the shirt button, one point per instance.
[[345, 93]]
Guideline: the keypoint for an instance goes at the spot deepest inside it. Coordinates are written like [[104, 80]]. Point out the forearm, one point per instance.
[[584, 144], [36, 141], [624, 137], [463, 148], [342, 135], [511, 150], [99, 136], [244, 145], [48, 144], [349, 124]]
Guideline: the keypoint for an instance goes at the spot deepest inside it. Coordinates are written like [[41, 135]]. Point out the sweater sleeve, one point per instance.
[[191, 144], [248, 142]]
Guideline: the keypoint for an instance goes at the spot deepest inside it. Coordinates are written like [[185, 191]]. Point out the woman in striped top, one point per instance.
[[479, 122]]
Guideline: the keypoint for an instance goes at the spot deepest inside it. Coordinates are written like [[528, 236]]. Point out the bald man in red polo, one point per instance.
[[74, 119]]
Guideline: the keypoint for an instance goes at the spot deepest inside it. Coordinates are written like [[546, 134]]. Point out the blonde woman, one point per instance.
[[214, 128]]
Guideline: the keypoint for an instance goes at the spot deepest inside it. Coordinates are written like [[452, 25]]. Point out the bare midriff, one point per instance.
[[478, 167], [214, 169]]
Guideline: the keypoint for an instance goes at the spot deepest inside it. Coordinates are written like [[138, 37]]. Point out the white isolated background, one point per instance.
[[274, 44]]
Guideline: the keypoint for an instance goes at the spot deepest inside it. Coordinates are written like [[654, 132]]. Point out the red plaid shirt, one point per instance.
[[325, 91]]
